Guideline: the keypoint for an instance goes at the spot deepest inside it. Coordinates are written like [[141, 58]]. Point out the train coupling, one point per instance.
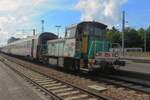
[[119, 62]]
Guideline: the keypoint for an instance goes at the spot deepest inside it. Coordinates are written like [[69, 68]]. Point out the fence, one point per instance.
[[137, 54]]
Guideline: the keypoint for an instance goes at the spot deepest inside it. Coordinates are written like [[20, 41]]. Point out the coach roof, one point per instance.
[[48, 35]]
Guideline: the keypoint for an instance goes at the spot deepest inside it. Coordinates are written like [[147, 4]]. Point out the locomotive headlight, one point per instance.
[[116, 55], [91, 62]]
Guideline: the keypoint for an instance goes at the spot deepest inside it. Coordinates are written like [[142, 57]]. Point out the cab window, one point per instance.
[[71, 32]]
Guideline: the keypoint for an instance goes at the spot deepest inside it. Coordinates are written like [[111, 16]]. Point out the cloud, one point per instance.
[[106, 11], [18, 14]]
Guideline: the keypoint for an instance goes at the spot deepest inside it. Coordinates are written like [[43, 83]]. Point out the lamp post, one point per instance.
[[123, 30], [33, 32], [42, 21], [58, 27]]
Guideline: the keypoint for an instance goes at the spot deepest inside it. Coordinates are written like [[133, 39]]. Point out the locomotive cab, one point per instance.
[[90, 38], [79, 49], [92, 48]]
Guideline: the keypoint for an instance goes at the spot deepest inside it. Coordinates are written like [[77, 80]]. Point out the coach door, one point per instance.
[[32, 48]]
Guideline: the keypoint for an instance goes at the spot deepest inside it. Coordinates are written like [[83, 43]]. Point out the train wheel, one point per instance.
[[106, 67], [117, 67], [76, 65]]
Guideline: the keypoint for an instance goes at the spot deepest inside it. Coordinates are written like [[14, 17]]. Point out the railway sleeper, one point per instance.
[[56, 87], [46, 82], [52, 85], [77, 97], [62, 90], [68, 93]]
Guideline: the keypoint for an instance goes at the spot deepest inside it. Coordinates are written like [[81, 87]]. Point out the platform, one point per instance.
[[13, 87], [138, 59], [137, 67]]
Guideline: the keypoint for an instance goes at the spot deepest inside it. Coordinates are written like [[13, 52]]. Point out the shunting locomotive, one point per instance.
[[85, 46]]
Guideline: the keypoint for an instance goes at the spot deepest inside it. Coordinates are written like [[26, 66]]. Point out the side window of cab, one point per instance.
[[71, 32]]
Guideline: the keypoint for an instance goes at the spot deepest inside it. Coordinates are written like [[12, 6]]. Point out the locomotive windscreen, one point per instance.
[[92, 29]]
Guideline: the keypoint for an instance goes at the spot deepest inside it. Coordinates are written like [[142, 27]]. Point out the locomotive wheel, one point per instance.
[[76, 65], [106, 67]]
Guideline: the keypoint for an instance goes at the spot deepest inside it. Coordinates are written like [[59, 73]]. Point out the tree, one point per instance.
[[132, 38], [142, 33], [148, 38], [114, 35]]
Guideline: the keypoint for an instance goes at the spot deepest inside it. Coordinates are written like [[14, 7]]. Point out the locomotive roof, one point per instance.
[[103, 26], [94, 23]]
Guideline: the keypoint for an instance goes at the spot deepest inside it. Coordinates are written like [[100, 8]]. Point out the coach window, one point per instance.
[[28, 44], [25, 44]]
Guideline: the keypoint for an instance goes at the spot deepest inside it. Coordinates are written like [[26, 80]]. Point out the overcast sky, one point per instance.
[[16, 15]]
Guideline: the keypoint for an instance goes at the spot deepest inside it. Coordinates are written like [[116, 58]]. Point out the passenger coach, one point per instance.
[[32, 47]]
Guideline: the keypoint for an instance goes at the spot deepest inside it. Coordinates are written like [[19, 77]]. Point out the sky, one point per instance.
[[19, 15]]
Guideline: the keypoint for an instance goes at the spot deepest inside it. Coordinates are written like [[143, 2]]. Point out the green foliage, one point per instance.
[[133, 38], [141, 33], [114, 35], [148, 38]]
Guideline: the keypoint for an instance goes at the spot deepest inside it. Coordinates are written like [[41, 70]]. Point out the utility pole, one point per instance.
[[145, 40], [123, 31], [42, 21], [33, 32], [58, 27], [23, 31]]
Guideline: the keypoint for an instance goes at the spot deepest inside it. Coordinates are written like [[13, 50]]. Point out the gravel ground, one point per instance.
[[114, 92]]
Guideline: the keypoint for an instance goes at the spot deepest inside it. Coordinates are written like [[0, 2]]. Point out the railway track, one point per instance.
[[130, 83], [119, 81], [57, 89]]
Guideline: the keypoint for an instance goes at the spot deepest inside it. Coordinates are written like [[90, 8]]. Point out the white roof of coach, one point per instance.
[[25, 39], [55, 40]]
